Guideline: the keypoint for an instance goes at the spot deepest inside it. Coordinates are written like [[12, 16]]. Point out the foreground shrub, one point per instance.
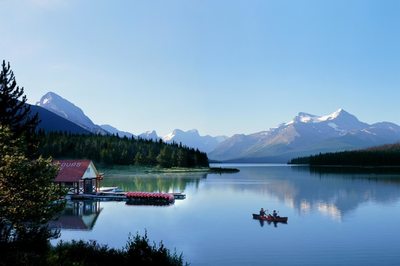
[[138, 251], [30, 248], [85, 253]]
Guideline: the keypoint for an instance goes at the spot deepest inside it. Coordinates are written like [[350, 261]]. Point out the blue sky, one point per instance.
[[222, 67]]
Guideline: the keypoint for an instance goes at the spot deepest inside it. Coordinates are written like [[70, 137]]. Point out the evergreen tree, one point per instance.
[[164, 158], [28, 195], [14, 112]]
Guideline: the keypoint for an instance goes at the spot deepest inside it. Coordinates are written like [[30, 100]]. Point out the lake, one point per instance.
[[335, 218]]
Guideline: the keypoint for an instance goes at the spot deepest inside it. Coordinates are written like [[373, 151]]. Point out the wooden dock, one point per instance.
[[122, 196]]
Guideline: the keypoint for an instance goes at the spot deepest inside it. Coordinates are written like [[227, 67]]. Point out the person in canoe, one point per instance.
[[274, 214], [262, 212]]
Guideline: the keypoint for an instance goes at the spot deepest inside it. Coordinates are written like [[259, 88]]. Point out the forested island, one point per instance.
[[386, 155], [115, 150]]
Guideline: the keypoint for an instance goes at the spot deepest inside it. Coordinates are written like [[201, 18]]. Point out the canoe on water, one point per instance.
[[270, 218]]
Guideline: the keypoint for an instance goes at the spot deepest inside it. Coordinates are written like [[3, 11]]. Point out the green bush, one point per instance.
[[138, 251]]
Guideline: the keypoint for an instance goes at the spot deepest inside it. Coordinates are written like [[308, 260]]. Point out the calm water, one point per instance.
[[334, 218]]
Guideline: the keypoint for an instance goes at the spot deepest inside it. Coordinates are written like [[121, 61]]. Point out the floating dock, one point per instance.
[[142, 198]]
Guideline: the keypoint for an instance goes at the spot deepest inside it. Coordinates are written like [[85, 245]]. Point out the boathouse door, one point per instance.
[[87, 186]]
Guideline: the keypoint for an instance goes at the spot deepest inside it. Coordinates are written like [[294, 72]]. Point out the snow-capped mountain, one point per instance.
[[67, 110], [304, 135], [50, 122], [116, 131], [192, 138], [150, 135], [62, 107]]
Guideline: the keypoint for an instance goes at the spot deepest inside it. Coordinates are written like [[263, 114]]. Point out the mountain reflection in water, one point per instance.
[[307, 190], [330, 193]]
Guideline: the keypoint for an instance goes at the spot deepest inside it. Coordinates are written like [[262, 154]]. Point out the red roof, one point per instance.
[[71, 170]]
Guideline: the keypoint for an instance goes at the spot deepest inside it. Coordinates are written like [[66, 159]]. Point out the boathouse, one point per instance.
[[79, 176]]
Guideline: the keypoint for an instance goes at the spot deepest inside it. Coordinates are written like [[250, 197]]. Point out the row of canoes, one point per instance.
[[150, 195], [149, 198]]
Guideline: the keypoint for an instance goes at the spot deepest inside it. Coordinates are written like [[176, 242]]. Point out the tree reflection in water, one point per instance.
[[149, 182]]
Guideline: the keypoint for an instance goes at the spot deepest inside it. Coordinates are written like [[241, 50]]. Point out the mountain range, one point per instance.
[[54, 103], [192, 138], [305, 134]]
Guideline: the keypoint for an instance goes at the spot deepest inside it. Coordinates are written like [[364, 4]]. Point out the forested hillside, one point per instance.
[[386, 155], [121, 151]]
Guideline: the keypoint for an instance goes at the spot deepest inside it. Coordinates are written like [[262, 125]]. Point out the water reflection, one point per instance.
[[82, 215], [322, 170], [213, 225], [78, 215], [164, 182], [275, 224], [330, 193]]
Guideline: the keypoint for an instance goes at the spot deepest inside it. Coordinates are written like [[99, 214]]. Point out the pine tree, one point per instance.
[[14, 112], [164, 158], [29, 198], [28, 195]]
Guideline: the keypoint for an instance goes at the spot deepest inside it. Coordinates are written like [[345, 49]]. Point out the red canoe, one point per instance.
[[270, 218]]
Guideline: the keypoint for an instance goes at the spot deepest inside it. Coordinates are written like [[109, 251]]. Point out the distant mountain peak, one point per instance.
[[64, 108], [46, 98], [194, 131], [50, 95], [179, 133], [192, 138], [338, 113], [304, 114], [51, 100], [151, 135], [303, 117]]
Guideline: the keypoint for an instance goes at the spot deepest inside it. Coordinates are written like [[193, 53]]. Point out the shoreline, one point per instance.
[[159, 170]]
